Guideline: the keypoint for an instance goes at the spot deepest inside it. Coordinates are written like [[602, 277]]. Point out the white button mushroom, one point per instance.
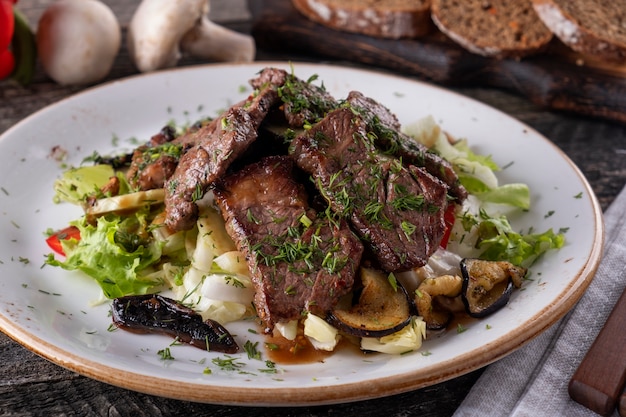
[[211, 41], [77, 41], [161, 30]]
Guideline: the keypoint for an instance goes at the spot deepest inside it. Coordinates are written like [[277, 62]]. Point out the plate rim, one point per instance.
[[317, 395]]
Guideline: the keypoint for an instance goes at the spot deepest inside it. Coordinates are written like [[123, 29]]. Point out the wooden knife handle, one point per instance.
[[600, 377]]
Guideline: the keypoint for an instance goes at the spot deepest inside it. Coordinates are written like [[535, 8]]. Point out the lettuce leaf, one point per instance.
[[76, 184], [476, 172], [498, 242], [113, 253]]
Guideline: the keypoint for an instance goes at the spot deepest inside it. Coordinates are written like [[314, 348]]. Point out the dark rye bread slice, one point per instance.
[[393, 19], [593, 28], [495, 28]]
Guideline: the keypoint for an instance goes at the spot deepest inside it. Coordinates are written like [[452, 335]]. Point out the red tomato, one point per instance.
[[54, 241], [7, 22], [449, 218]]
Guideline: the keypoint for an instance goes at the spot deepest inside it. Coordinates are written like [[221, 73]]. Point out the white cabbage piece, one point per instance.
[[288, 330], [217, 283], [171, 242], [227, 287], [406, 340], [322, 335], [233, 262], [223, 311], [125, 202], [212, 239]]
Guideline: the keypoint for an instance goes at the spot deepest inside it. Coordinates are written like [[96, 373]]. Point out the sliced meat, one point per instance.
[[203, 164], [303, 101], [166, 134], [155, 162], [391, 140], [269, 76], [396, 210], [299, 261], [151, 166], [215, 147]]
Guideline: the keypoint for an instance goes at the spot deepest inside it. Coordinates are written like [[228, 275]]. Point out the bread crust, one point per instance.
[[491, 43], [575, 35], [409, 21]]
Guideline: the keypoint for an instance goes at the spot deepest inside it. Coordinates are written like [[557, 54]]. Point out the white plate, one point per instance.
[[49, 310]]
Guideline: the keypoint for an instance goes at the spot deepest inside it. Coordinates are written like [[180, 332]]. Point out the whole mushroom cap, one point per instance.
[[77, 41]]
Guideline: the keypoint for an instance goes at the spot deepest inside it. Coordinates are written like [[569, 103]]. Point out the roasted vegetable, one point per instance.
[[434, 315], [152, 313], [383, 307], [487, 285]]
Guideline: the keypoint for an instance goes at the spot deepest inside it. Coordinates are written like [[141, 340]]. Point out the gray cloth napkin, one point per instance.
[[532, 381]]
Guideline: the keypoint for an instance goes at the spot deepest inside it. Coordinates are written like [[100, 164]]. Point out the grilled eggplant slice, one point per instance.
[[487, 285], [382, 308], [153, 313]]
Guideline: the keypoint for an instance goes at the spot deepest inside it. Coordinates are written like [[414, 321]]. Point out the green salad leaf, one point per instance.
[[476, 172], [76, 184], [497, 241], [114, 252]]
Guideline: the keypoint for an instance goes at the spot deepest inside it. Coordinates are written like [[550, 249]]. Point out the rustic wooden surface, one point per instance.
[[30, 385]]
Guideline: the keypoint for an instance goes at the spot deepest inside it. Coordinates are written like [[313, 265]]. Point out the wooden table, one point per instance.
[[30, 385]]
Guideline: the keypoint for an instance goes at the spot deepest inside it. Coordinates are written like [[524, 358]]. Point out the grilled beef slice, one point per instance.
[[215, 147], [302, 101], [151, 166], [299, 261], [397, 210], [389, 138]]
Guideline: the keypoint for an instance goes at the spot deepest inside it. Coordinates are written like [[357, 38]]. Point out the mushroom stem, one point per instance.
[[160, 31], [211, 41], [156, 29]]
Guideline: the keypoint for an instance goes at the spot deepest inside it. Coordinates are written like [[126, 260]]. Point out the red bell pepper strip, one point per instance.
[[55, 239], [449, 218]]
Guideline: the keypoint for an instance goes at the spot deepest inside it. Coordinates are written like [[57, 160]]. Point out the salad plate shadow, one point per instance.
[[60, 314]]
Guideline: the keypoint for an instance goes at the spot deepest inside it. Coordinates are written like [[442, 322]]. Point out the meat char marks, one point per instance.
[[396, 208], [299, 260], [153, 163], [390, 140], [215, 146]]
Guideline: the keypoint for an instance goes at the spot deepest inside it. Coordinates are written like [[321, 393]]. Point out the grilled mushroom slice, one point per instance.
[[153, 313], [383, 308], [428, 292], [487, 285]]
